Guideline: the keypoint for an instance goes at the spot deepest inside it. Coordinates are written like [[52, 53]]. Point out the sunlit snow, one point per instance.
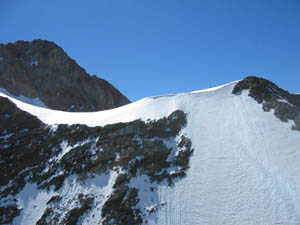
[[245, 169]]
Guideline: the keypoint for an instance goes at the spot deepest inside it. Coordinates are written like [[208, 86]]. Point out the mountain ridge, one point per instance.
[[215, 156]]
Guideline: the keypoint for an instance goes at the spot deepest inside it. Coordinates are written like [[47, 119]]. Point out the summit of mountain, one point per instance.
[[41, 71]]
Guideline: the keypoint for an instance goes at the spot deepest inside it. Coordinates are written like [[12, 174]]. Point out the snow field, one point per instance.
[[245, 168]]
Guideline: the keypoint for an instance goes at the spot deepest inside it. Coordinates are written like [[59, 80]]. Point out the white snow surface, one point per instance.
[[23, 99], [245, 168]]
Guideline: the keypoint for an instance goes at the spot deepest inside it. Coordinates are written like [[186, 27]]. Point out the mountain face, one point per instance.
[[41, 69], [225, 155], [34, 154]]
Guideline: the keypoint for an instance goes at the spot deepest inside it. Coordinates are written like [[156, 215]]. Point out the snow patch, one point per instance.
[[34, 63], [65, 149], [285, 101], [33, 203], [31, 101], [5, 137]]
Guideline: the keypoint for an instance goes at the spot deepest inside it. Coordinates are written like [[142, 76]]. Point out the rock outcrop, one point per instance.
[[286, 106], [32, 153], [41, 69]]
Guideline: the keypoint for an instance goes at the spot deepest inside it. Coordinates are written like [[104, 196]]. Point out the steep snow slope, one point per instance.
[[245, 167]]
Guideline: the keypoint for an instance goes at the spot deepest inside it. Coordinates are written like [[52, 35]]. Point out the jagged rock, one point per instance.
[[286, 106], [41, 69], [31, 152]]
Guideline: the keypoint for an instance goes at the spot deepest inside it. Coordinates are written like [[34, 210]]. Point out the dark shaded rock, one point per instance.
[[286, 106], [54, 199], [51, 215], [14, 120], [41, 69], [32, 152], [184, 153], [121, 180], [8, 213], [48, 218], [72, 217], [119, 208]]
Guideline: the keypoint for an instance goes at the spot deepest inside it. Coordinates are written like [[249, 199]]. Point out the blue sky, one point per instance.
[[154, 47]]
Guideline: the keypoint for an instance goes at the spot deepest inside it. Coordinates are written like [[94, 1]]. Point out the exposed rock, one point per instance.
[[31, 152], [53, 213], [85, 204], [120, 209], [41, 69], [286, 106]]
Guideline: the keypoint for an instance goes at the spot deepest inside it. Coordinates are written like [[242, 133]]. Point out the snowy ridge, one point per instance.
[[245, 167], [147, 108]]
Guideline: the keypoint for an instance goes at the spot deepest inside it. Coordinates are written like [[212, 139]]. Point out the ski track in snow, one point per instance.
[[245, 168]]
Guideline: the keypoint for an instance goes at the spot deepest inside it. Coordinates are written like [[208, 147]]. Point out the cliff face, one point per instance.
[[41, 69]]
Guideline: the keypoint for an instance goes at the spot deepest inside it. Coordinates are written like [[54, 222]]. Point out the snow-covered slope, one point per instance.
[[245, 167]]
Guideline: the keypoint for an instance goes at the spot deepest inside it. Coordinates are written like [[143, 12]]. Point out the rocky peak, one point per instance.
[[286, 106], [261, 89], [41, 69]]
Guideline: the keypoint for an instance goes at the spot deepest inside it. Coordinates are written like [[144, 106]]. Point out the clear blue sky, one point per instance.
[[153, 47]]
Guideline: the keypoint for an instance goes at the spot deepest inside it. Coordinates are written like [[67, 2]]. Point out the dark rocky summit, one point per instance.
[[286, 106], [41, 69]]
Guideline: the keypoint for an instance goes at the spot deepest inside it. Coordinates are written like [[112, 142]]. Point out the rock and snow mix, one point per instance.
[[233, 159], [78, 174]]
